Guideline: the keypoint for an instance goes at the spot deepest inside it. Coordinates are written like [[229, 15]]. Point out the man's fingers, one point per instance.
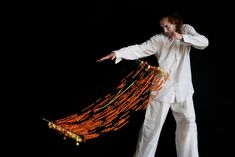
[[102, 59], [110, 56], [99, 60]]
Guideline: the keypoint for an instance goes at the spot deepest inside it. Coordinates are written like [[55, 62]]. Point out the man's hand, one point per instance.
[[110, 56], [176, 36]]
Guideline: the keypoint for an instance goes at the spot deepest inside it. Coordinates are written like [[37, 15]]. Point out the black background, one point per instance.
[[57, 72]]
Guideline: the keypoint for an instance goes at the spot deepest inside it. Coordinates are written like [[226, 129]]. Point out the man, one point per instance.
[[172, 50]]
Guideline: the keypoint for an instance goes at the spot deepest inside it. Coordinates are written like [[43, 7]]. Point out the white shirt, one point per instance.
[[173, 57]]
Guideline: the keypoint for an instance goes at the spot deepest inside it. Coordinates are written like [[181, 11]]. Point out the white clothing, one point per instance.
[[173, 57], [186, 130]]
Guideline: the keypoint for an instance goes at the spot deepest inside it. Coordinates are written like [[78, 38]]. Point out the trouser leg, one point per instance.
[[186, 129], [155, 116]]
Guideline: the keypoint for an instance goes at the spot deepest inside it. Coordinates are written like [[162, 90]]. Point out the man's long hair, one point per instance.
[[175, 18]]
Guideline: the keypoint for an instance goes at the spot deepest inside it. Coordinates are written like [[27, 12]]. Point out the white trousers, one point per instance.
[[186, 129]]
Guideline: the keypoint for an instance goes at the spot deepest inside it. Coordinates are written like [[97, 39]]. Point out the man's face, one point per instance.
[[168, 28]]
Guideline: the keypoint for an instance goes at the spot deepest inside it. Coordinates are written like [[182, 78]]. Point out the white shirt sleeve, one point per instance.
[[191, 37], [133, 52]]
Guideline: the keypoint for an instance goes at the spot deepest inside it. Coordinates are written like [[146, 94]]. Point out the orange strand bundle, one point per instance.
[[112, 111]]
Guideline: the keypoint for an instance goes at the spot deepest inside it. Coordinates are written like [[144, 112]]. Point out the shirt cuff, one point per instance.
[[118, 57], [186, 38]]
